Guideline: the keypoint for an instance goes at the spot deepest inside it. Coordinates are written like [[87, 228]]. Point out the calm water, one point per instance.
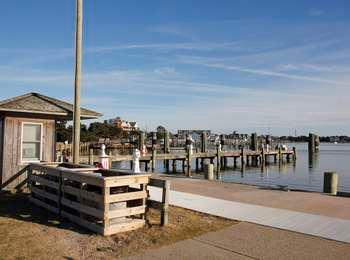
[[303, 174], [300, 175]]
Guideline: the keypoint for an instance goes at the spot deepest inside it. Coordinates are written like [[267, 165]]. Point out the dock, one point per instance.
[[241, 158]]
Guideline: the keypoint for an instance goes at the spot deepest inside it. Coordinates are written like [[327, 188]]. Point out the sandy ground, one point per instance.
[[250, 241], [307, 202]]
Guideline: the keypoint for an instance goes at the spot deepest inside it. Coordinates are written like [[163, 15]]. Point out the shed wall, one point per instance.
[[1, 146], [12, 177]]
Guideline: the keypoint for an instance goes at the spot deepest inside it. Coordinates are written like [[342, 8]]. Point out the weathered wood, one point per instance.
[[13, 173], [164, 218], [77, 80], [204, 142], [95, 202], [91, 157], [44, 205], [330, 183], [163, 206], [254, 142], [126, 212], [126, 196], [189, 162], [174, 166], [166, 142]]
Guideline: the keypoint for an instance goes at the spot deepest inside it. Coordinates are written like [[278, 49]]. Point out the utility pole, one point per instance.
[[78, 48]]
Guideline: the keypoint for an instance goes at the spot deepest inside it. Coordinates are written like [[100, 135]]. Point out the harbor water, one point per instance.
[[304, 174]]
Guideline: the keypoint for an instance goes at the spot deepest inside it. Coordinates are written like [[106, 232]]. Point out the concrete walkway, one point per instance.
[[250, 241], [311, 224]]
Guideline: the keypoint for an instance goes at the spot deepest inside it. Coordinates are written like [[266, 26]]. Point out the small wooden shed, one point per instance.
[[27, 133]]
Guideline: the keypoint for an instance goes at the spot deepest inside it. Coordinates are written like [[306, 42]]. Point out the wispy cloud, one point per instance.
[[316, 12], [260, 72]]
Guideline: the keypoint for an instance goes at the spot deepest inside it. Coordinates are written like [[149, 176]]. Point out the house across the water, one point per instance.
[[27, 133]]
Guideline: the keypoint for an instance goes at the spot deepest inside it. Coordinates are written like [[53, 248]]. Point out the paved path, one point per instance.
[[306, 202], [311, 224], [250, 241]]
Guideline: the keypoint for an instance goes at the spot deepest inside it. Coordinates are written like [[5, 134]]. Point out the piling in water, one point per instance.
[[330, 183]]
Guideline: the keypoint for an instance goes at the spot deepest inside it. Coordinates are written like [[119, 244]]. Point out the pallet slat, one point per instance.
[[45, 182], [45, 194], [82, 208], [126, 196], [44, 205], [126, 212]]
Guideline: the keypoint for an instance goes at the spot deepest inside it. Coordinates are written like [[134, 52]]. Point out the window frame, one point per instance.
[[41, 142]]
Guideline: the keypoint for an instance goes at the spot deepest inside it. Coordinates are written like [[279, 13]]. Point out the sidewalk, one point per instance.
[[306, 223], [250, 241]]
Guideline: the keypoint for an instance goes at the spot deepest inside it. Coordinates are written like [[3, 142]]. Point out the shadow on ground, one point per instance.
[[17, 206]]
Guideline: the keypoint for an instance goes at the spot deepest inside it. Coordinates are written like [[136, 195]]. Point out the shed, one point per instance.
[[27, 133]]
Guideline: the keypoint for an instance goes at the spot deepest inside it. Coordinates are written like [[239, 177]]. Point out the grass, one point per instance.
[[28, 232]]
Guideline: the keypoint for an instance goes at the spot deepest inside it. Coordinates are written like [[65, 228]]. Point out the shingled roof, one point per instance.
[[40, 104]]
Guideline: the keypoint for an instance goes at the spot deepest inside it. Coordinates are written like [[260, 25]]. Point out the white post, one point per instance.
[[104, 158], [136, 161]]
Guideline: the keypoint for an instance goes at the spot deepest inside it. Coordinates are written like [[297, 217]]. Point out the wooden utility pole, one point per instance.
[[78, 48]]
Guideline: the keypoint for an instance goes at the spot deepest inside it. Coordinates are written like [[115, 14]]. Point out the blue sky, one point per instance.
[[220, 65]]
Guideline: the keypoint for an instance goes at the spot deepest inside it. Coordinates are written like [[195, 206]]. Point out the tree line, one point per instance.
[[93, 132]]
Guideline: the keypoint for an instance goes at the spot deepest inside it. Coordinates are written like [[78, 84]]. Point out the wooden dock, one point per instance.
[[241, 158]]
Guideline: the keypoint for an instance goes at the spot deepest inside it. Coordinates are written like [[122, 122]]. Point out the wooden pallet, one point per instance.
[[44, 184], [106, 202]]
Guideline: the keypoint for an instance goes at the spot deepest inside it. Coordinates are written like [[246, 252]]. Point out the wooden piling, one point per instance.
[[242, 157], [141, 140], [294, 153], [280, 156], [262, 157], [154, 151], [166, 142], [204, 142], [189, 162], [174, 166], [209, 172], [254, 142], [218, 159], [91, 156], [330, 183]]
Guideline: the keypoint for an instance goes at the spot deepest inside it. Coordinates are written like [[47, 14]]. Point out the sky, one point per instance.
[[278, 67]]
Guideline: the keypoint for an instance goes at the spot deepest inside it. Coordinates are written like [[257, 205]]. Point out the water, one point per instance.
[[302, 174]]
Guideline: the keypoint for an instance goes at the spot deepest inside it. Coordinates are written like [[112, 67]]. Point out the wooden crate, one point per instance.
[[104, 201], [44, 184]]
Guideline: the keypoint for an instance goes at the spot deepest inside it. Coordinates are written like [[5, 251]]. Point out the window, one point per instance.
[[31, 142]]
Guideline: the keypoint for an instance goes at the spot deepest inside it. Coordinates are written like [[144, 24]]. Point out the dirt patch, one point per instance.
[[28, 232]]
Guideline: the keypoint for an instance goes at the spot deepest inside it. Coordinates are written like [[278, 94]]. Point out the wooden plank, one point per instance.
[[155, 204], [49, 170], [85, 169], [82, 208], [84, 223], [45, 194], [126, 180], [82, 193], [156, 182], [127, 225], [44, 205], [83, 177], [127, 212], [42, 181], [126, 196]]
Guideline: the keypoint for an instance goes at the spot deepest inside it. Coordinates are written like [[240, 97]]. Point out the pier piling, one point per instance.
[[330, 183]]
